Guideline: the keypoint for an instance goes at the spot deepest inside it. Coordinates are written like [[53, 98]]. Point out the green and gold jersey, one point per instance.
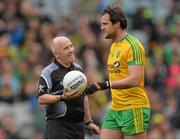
[[124, 53]]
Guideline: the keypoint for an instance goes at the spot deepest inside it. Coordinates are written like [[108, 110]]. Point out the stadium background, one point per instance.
[[26, 28]]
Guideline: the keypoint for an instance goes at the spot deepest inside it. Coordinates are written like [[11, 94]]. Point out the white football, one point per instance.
[[75, 81]]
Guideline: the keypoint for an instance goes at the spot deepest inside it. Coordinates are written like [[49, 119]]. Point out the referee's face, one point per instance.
[[66, 52]]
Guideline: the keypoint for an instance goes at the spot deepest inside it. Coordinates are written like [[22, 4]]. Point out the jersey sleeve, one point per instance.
[[42, 87], [135, 52], [134, 56], [45, 83]]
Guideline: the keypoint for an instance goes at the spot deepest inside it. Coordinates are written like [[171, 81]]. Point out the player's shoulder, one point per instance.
[[133, 42], [129, 38]]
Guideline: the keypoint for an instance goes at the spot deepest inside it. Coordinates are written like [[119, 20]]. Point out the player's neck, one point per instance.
[[120, 35]]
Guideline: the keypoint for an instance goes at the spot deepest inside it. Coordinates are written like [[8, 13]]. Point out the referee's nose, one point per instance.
[[71, 49]]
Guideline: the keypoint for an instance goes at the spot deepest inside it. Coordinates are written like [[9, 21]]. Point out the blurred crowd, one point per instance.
[[26, 30]]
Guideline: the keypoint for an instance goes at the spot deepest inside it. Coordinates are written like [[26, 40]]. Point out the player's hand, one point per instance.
[[70, 95], [96, 86], [94, 128]]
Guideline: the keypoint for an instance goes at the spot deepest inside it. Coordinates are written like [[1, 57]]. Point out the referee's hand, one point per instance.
[[94, 128], [70, 95]]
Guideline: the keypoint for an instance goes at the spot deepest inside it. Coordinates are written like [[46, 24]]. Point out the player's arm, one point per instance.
[[87, 117], [135, 70], [133, 79]]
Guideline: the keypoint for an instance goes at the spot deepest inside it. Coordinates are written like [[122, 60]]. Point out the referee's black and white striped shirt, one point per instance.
[[50, 81]]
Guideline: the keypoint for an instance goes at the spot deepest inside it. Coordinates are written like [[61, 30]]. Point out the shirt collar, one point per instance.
[[60, 65]]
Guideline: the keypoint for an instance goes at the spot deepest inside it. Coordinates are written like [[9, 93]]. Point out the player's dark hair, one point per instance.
[[116, 15]]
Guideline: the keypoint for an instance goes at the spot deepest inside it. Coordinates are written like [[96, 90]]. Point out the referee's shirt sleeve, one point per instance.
[[42, 87]]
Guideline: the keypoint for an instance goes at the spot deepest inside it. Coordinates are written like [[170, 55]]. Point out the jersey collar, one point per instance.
[[60, 65]]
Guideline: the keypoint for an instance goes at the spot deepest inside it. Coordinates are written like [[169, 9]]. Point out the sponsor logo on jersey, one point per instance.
[[116, 63], [114, 68]]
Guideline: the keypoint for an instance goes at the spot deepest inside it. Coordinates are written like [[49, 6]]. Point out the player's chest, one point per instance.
[[117, 57]]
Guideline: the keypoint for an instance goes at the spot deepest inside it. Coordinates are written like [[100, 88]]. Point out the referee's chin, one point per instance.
[[71, 60]]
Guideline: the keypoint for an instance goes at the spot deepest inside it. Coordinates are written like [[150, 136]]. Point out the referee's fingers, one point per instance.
[[76, 94]]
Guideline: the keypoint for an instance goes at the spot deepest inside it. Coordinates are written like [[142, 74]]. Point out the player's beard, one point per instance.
[[110, 35]]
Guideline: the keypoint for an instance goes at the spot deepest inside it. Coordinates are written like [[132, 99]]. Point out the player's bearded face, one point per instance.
[[107, 27], [110, 34]]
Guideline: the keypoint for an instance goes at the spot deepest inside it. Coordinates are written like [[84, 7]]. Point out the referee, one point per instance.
[[65, 113]]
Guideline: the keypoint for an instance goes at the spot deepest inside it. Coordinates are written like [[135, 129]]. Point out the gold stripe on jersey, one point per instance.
[[124, 53]]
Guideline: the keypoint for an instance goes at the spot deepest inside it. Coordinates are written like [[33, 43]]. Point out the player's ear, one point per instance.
[[117, 25]]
